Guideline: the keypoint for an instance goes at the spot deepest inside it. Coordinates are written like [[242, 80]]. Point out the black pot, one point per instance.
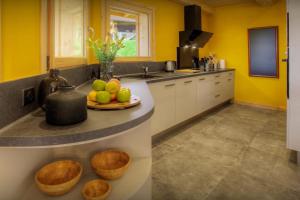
[[66, 106]]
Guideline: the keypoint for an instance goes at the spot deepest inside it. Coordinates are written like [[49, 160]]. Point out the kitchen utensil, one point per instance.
[[222, 64], [134, 101], [59, 177], [66, 106], [110, 164], [170, 66], [96, 190]]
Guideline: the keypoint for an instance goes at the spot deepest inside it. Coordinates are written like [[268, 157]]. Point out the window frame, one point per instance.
[[61, 62], [129, 6]]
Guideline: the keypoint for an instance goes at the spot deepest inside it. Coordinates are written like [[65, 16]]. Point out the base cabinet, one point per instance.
[[164, 94], [185, 99], [181, 99]]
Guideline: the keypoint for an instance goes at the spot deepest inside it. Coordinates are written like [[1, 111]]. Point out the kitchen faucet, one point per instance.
[[146, 70]]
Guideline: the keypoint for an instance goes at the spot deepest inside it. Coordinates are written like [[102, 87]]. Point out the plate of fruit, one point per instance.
[[110, 96]]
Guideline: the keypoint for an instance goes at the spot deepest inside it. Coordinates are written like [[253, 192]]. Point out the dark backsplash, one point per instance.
[[11, 107]]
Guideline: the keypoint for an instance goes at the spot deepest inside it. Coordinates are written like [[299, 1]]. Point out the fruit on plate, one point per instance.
[[113, 97], [92, 95], [103, 97], [124, 95], [115, 80], [99, 85], [112, 87]]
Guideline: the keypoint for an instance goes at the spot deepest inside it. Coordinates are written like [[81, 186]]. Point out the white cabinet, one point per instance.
[[164, 112], [185, 99], [181, 99], [205, 93]]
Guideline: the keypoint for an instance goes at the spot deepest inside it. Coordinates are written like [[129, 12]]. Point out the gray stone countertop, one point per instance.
[[33, 131]]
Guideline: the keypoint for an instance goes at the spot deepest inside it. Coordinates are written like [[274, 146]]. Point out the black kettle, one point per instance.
[[66, 106], [49, 85]]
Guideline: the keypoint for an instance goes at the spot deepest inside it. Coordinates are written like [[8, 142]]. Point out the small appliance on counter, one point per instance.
[[170, 66], [50, 85], [66, 106]]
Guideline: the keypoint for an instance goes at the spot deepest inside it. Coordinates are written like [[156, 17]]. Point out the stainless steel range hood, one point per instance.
[[193, 35]]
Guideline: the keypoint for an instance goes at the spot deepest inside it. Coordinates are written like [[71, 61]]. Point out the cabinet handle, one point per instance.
[[217, 76], [229, 79], [201, 79], [230, 73], [187, 82], [217, 83], [217, 96], [170, 85]]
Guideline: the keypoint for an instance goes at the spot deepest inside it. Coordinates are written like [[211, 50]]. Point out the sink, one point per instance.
[[142, 76]]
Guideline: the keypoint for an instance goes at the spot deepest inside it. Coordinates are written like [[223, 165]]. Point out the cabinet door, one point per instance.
[[163, 94], [185, 99], [228, 81], [205, 93]]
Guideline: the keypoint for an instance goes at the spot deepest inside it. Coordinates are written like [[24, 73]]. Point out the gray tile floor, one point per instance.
[[236, 153]]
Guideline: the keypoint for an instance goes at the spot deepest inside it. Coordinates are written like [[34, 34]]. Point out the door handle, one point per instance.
[[170, 85]]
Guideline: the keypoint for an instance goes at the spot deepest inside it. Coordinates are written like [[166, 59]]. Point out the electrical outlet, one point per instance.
[[28, 96]]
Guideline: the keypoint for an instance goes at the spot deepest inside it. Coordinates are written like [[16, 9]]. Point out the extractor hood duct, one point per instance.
[[193, 34]]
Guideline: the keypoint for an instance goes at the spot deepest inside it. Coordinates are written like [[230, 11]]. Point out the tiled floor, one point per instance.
[[236, 153]]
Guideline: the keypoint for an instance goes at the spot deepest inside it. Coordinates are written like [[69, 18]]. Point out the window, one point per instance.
[[67, 32], [134, 23]]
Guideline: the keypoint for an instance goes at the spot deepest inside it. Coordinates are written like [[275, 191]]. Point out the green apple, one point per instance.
[[103, 97], [124, 95], [99, 85]]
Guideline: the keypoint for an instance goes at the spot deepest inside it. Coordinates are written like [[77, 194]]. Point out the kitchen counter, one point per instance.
[[33, 131]]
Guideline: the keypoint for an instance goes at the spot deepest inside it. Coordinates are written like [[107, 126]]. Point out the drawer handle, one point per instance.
[[217, 76], [170, 85], [230, 73], [229, 79], [201, 79], [217, 83], [186, 82], [217, 96]]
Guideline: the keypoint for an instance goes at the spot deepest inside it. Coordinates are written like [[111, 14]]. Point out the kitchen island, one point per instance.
[[29, 143]]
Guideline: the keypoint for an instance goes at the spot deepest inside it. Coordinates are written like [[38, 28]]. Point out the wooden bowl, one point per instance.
[[59, 177], [96, 190], [110, 164]]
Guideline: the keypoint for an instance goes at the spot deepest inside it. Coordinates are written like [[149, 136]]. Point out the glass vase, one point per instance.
[[106, 70]]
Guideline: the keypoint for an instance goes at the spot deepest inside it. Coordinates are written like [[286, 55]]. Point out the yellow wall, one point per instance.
[[20, 38], [230, 26]]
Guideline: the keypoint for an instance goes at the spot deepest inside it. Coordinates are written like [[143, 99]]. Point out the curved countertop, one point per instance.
[[33, 131]]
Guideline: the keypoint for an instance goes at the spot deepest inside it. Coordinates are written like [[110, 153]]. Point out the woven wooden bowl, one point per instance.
[[96, 190], [110, 164], [59, 177]]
